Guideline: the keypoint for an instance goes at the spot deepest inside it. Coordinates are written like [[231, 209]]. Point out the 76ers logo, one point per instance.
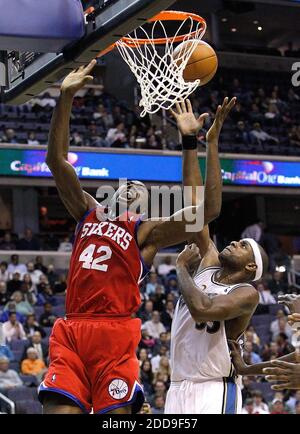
[[118, 389]]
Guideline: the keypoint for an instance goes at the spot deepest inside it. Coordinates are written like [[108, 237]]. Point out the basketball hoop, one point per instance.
[[151, 60]]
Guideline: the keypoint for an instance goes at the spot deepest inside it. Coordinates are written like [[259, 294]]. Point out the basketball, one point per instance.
[[202, 64]]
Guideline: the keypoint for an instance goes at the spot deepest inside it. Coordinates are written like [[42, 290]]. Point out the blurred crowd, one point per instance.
[[32, 297], [264, 121]]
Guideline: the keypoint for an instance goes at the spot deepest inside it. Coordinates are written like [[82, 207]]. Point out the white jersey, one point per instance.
[[199, 352]]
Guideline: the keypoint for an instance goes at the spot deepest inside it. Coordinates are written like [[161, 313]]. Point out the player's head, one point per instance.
[[130, 196], [245, 256]]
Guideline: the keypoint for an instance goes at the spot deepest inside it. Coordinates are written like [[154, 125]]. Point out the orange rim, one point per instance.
[[162, 16]]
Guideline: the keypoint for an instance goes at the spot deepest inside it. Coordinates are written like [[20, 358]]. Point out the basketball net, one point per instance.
[[151, 60]]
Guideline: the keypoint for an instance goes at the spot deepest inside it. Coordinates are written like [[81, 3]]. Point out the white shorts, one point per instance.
[[218, 396]]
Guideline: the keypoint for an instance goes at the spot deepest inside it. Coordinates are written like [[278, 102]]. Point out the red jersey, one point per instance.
[[106, 267]]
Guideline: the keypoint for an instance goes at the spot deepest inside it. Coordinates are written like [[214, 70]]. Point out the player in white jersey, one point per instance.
[[217, 303]]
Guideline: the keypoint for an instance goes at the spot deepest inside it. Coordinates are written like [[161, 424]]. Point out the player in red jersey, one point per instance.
[[93, 363]]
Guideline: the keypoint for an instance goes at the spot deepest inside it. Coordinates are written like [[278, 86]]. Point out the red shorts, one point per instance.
[[93, 362]]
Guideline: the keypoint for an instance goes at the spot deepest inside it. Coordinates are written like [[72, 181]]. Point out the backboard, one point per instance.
[[26, 74]]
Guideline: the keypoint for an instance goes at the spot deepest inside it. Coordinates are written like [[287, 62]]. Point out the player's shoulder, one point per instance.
[[246, 290]]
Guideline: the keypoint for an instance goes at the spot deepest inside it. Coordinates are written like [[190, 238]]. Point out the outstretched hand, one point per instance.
[[286, 375], [292, 301], [187, 122], [189, 256], [78, 78], [223, 110]]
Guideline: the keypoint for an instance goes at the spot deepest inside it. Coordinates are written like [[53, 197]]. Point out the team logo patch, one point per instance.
[[53, 377], [118, 389]]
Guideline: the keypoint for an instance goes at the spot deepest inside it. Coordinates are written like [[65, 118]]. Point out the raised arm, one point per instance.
[[70, 191], [182, 226], [203, 308], [192, 177]]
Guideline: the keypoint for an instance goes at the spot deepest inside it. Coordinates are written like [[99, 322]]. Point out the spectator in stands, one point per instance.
[[61, 285], [294, 136], [31, 326], [297, 407], [4, 275], [28, 293], [284, 347], [265, 296], [46, 295], [159, 298], [31, 287], [29, 241], [48, 318], [11, 308], [251, 337], [142, 356], [155, 361], [280, 325], [14, 284], [101, 114], [270, 351], [259, 406], [272, 115], [158, 405], [254, 231], [152, 284], [259, 136], [159, 390], [241, 135], [4, 297], [277, 407], [9, 136], [249, 355], [292, 401], [13, 329], [248, 406], [33, 365], [8, 377], [277, 284], [76, 139], [146, 376], [31, 139], [165, 267], [34, 273], [255, 115], [51, 275], [35, 341], [43, 282], [39, 265], [65, 245], [7, 243], [168, 314], [154, 326], [5, 351], [146, 311], [172, 287], [21, 306], [147, 341], [15, 267], [116, 135]]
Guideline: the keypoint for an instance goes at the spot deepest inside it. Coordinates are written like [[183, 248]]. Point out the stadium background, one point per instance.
[[257, 44]]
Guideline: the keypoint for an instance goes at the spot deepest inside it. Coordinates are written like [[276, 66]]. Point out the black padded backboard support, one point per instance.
[[107, 25]]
